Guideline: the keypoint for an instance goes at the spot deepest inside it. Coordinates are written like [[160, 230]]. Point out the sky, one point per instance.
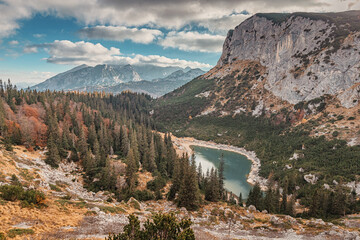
[[41, 38]]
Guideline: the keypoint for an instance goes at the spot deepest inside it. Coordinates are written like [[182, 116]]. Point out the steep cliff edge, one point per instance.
[[306, 55]]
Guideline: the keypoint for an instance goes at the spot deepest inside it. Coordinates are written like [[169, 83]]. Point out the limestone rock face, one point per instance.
[[306, 56]]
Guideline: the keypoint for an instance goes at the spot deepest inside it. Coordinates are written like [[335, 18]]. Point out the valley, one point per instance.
[[264, 145]]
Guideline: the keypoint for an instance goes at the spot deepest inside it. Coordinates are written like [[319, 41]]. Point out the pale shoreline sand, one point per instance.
[[183, 146]]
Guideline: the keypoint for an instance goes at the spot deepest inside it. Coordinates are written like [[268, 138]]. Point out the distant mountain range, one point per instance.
[[149, 79]]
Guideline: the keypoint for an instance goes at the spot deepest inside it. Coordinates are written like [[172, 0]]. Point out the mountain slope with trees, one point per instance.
[[253, 99]]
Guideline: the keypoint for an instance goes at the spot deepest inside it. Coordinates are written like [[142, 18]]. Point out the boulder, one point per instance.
[[252, 208]]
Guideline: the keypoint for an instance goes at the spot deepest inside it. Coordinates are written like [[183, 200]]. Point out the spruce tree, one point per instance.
[[189, 192], [53, 156], [221, 176], [240, 202], [255, 197], [284, 203]]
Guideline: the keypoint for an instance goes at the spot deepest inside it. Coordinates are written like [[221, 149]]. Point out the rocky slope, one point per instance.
[[306, 55], [72, 212], [288, 67], [150, 79]]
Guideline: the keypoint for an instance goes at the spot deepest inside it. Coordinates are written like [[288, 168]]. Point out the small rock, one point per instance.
[[250, 216], [252, 208], [183, 210], [291, 219], [310, 178], [275, 220]]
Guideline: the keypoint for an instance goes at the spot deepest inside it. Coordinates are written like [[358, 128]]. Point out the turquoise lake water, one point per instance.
[[236, 169]]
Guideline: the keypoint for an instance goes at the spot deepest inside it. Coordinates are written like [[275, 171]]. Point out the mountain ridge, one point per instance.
[[117, 78]]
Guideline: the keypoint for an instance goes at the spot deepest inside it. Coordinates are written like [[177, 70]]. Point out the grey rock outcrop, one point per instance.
[[306, 55]]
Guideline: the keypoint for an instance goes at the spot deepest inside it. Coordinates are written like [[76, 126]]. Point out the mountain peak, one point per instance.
[[110, 77], [294, 48]]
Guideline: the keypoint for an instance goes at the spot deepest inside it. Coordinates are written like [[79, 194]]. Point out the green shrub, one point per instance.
[[16, 192], [162, 226], [54, 188], [18, 232], [335, 134], [11, 193], [143, 195], [156, 184]]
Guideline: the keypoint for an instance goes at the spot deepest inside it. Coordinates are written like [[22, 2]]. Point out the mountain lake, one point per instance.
[[236, 168]]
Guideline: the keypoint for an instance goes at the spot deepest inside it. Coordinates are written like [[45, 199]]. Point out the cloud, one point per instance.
[[224, 23], [77, 53], [67, 52], [163, 61], [30, 49], [193, 41], [13, 42], [158, 13], [25, 76], [120, 33], [39, 35]]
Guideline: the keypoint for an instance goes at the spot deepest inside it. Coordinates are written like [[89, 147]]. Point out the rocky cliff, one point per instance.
[[290, 68], [306, 55]]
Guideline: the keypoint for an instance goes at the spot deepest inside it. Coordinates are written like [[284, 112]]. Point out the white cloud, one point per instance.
[[159, 13], [67, 52], [39, 35], [193, 41], [120, 33], [224, 23], [30, 49], [25, 76], [77, 53], [162, 61], [13, 42]]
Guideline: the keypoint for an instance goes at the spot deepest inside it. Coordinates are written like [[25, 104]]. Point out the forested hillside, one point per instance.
[[111, 137], [287, 88]]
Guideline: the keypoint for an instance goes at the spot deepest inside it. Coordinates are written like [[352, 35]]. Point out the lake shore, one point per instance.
[[183, 146]]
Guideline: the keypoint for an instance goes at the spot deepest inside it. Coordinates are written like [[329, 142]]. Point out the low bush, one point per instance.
[[27, 197], [156, 184], [143, 195], [161, 226], [18, 232]]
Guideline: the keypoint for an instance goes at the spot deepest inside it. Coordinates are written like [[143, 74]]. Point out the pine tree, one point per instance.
[[151, 167], [255, 197], [283, 207], [268, 201], [212, 188], [53, 156], [2, 116], [176, 179], [189, 192], [82, 145], [221, 177], [240, 202], [131, 171], [125, 144], [97, 152]]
